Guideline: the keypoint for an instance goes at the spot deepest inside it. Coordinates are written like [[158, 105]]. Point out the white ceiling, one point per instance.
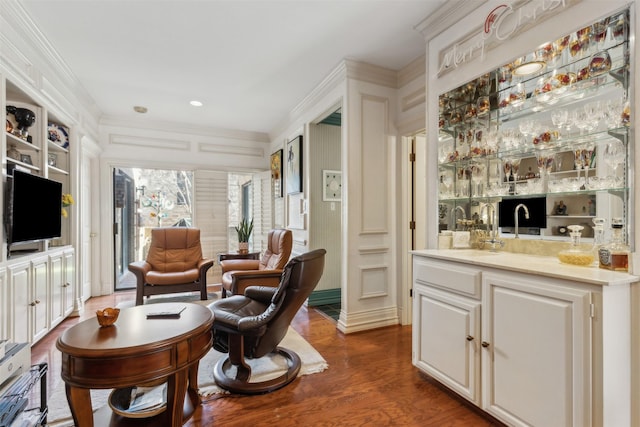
[[249, 62]]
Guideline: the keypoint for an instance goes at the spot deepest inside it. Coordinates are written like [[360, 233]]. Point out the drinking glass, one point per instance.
[[478, 175], [613, 113], [558, 159], [515, 166], [593, 111], [614, 155], [619, 28], [518, 95], [599, 31], [625, 116], [446, 178], [506, 168], [575, 46], [559, 117], [578, 159], [545, 162], [588, 157]]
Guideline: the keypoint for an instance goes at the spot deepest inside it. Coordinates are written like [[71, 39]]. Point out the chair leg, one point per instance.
[[203, 291], [139, 294]]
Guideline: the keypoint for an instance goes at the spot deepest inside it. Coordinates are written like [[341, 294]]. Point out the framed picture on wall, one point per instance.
[[294, 165], [276, 173]]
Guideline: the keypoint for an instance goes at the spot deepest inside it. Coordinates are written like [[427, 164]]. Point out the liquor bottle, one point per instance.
[[615, 255], [598, 239]]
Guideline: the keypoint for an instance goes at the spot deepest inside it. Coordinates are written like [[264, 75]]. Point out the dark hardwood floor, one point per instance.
[[370, 381]]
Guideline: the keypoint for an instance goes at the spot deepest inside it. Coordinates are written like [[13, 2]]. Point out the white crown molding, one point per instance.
[[372, 74], [335, 78], [415, 69], [44, 67], [446, 15], [181, 128]]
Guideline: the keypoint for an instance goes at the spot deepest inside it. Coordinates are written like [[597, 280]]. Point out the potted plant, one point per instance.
[[244, 230]]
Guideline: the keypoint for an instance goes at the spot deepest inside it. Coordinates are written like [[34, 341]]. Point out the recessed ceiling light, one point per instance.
[[140, 109], [196, 103]]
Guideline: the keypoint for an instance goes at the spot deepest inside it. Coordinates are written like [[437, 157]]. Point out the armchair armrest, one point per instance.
[[140, 268], [239, 264], [263, 294], [204, 265], [240, 280]]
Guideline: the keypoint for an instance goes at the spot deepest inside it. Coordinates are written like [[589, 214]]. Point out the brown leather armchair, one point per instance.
[[252, 325], [174, 264], [238, 274]]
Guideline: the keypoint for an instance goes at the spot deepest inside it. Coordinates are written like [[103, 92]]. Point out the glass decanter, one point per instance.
[[576, 254]]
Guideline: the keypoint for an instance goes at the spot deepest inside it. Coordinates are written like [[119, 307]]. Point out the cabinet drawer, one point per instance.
[[450, 276]]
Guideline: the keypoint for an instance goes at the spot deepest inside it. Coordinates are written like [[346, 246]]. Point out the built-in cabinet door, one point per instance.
[[56, 289], [535, 352], [446, 341], [68, 281], [20, 309], [39, 301]]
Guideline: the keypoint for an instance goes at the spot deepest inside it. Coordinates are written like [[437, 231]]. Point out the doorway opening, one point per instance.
[[144, 199]]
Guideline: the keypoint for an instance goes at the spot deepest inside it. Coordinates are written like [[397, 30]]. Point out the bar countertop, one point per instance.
[[530, 264]]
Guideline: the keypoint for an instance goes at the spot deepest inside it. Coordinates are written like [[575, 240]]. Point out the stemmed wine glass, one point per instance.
[[594, 114], [446, 178], [558, 159], [578, 159], [515, 165], [559, 118], [614, 155], [478, 175], [545, 162], [588, 156]]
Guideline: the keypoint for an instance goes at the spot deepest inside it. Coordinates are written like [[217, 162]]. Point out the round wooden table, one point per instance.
[[137, 351]]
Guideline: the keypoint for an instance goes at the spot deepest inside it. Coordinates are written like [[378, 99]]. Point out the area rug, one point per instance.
[[262, 369]]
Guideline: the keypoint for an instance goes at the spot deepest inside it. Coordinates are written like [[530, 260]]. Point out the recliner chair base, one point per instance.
[[241, 383]]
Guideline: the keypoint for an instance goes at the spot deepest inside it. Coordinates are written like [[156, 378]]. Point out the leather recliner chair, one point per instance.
[[252, 325], [174, 264], [238, 274]]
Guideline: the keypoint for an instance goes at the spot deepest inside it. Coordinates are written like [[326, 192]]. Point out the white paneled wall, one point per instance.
[[325, 218]]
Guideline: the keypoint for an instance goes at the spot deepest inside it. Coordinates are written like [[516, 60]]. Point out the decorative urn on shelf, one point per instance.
[[244, 230]]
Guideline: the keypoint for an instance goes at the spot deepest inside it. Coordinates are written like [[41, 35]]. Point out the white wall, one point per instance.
[[325, 218]]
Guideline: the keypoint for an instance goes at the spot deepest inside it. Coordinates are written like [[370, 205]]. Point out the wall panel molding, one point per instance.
[[228, 149], [374, 167], [156, 143], [369, 250], [374, 282]]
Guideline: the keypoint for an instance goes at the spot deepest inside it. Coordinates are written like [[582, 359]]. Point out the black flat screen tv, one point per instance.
[[537, 212], [33, 208]]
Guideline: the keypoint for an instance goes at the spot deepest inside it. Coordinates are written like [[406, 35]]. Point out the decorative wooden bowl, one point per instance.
[[107, 316]]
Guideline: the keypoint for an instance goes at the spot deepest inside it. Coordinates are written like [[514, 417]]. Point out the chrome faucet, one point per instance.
[[493, 219], [515, 215], [454, 216]]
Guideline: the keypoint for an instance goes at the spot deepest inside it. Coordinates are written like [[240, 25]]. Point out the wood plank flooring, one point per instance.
[[370, 382]]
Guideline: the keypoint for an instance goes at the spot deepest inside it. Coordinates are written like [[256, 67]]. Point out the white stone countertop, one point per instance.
[[531, 264]]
